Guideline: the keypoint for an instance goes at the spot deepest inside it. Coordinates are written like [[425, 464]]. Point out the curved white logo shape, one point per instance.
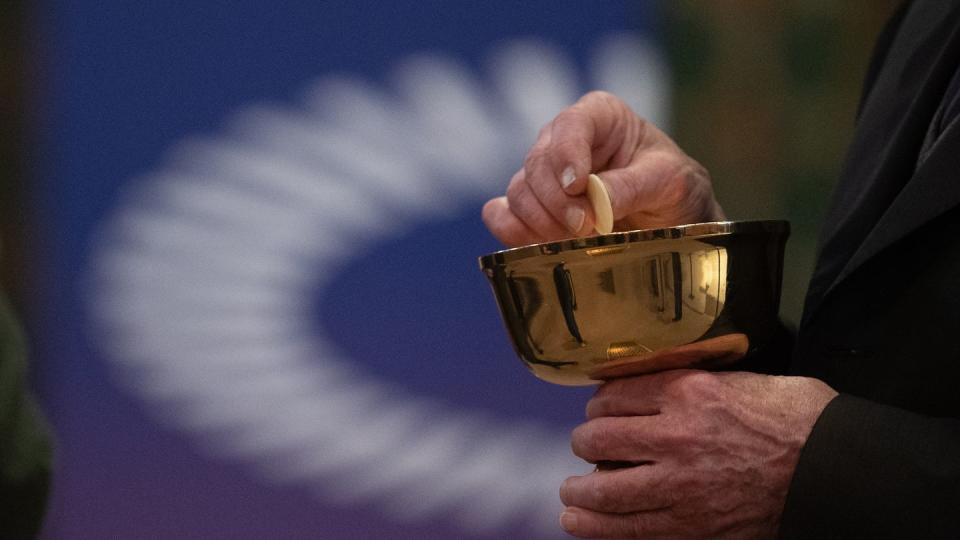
[[206, 276]]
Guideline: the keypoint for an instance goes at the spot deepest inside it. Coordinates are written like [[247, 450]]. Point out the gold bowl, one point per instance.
[[583, 310]]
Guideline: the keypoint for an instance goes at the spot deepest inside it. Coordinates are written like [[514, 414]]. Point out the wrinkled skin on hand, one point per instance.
[[712, 455], [651, 181]]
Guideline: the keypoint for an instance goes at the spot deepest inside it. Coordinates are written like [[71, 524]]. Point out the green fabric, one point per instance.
[[25, 452]]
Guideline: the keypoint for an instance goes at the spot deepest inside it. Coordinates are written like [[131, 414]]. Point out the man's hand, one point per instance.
[[711, 455], [651, 182]]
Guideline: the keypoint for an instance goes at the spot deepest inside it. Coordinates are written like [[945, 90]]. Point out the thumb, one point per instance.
[[632, 197], [660, 190]]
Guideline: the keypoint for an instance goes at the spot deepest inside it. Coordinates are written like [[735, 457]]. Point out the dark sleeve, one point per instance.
[[873, 471], [24, 444]]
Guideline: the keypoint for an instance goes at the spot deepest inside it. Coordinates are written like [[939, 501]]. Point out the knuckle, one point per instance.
[[613, 397], [522, 204], [591, 409], [579, 441], [683, 435], [601, 96], [674, 187], [700, 379], [534, 162], [584, 441], [682, 182], [515, 190], [605, 499], [544, 133], [572, 115], [608, 101], [632, 525], [543, 142], [604, 404], [612, 388], [596, 407], [600, 101], [569, 148], [688, 190], [567, 490], [694, 385]]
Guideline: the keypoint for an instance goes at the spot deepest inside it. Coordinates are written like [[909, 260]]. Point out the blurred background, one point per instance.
[[243, 239]]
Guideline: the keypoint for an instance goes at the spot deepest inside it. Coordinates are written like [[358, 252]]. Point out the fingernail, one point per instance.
[[575, 216], [568, 520], [568, 176]]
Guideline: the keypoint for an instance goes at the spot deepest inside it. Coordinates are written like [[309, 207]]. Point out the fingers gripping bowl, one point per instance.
[[587, 309]]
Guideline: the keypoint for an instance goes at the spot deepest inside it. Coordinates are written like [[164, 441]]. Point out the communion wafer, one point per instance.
[[600, 200]]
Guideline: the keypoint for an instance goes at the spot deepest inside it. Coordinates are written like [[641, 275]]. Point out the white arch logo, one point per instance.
[[205, 277]]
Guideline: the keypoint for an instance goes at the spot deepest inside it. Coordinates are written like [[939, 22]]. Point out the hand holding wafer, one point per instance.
[[647, 179]]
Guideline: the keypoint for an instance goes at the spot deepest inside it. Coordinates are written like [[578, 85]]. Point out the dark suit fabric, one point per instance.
[[882, 319]]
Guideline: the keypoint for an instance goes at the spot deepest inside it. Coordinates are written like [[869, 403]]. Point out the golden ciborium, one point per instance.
[[583, 310]]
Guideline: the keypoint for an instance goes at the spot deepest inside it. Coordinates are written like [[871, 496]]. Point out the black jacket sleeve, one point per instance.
[[874, 471]]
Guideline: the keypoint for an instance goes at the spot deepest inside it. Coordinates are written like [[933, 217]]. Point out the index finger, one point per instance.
[[641, 395], [597, 132], [630, 489]]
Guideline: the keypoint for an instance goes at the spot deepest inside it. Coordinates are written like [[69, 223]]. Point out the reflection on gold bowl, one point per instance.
[[587, 309]]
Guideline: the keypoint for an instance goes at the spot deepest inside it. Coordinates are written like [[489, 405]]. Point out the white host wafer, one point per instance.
[[600, 200]]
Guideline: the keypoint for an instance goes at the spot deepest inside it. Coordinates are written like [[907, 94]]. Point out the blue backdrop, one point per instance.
[[260, 312]]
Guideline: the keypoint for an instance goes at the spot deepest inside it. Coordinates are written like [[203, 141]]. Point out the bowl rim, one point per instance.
[[691, 231]]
